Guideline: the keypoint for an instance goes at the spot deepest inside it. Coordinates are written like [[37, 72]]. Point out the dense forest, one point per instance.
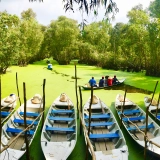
[[133, 47]]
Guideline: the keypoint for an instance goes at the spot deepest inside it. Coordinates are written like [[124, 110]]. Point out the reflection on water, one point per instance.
[[130, 89]]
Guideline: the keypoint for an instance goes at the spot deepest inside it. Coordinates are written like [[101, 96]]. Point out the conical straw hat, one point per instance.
[[9, 99], [36, 99], [63, 98]]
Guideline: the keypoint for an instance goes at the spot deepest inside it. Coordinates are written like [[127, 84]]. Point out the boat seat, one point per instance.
[[29, 114], [140, 127], [4, 114], [21, 121], [134, 118], [158, 116], [100, 124], [61, 118], [108, 135], [60, 129], [98, 116], [15, 130], [62, 111], [127, 112]]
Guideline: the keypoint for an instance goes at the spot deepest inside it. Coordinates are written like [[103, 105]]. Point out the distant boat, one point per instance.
[[59, 133], [86, 87], [152, 107], [15, 125], [105, 135], [134, 115], [8, 105]]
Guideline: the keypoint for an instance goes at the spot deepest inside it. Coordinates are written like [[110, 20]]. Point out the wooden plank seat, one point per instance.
[[130, 111], [60, 129], [29, 114], [16, 130], [21, 121], [61, 118], [5, 114], [98, 116], [133, 118], [100, 124], [108, 135], [140, 127], [62, 111], [158, 116]]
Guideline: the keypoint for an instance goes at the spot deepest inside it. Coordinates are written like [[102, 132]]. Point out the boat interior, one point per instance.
[[61, 124]]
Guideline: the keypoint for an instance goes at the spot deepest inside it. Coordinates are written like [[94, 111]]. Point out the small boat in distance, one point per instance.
[[88, 87], [134, 121], [105, 135], [153, 107], [8, 105], [59, 133], [15, 125]]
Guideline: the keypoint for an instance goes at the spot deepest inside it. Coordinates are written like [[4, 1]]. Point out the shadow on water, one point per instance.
[[130, 89]]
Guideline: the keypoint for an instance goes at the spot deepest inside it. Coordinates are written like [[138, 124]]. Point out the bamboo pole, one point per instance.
[[80, 94], [44, 83], [25, 123], [21, 133], [147, 108], [76, 89], [18, 87], [157, 106], [87, 138], [91, 99], [122, 107]]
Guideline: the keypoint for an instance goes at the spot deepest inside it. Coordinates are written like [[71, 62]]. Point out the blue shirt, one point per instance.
[[101, 82], [92, 82]]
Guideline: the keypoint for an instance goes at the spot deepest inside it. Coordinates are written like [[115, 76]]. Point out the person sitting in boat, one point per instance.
[[115, 80], [92, 82], [101, 82], [106, 81]]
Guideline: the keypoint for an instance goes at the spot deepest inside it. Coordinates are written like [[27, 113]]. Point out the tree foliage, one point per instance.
[[9, 41]]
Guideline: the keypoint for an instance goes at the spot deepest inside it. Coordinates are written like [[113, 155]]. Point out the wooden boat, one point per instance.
[[152, 107], [15, 125], [105, 136], [134, 115], [59, 133], [87, 87], [8, 105]]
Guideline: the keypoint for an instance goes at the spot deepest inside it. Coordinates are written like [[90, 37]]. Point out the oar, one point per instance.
[[157, 107]]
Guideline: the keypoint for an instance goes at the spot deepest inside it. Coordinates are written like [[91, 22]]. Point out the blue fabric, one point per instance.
[[92, 82], [101, 82]]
